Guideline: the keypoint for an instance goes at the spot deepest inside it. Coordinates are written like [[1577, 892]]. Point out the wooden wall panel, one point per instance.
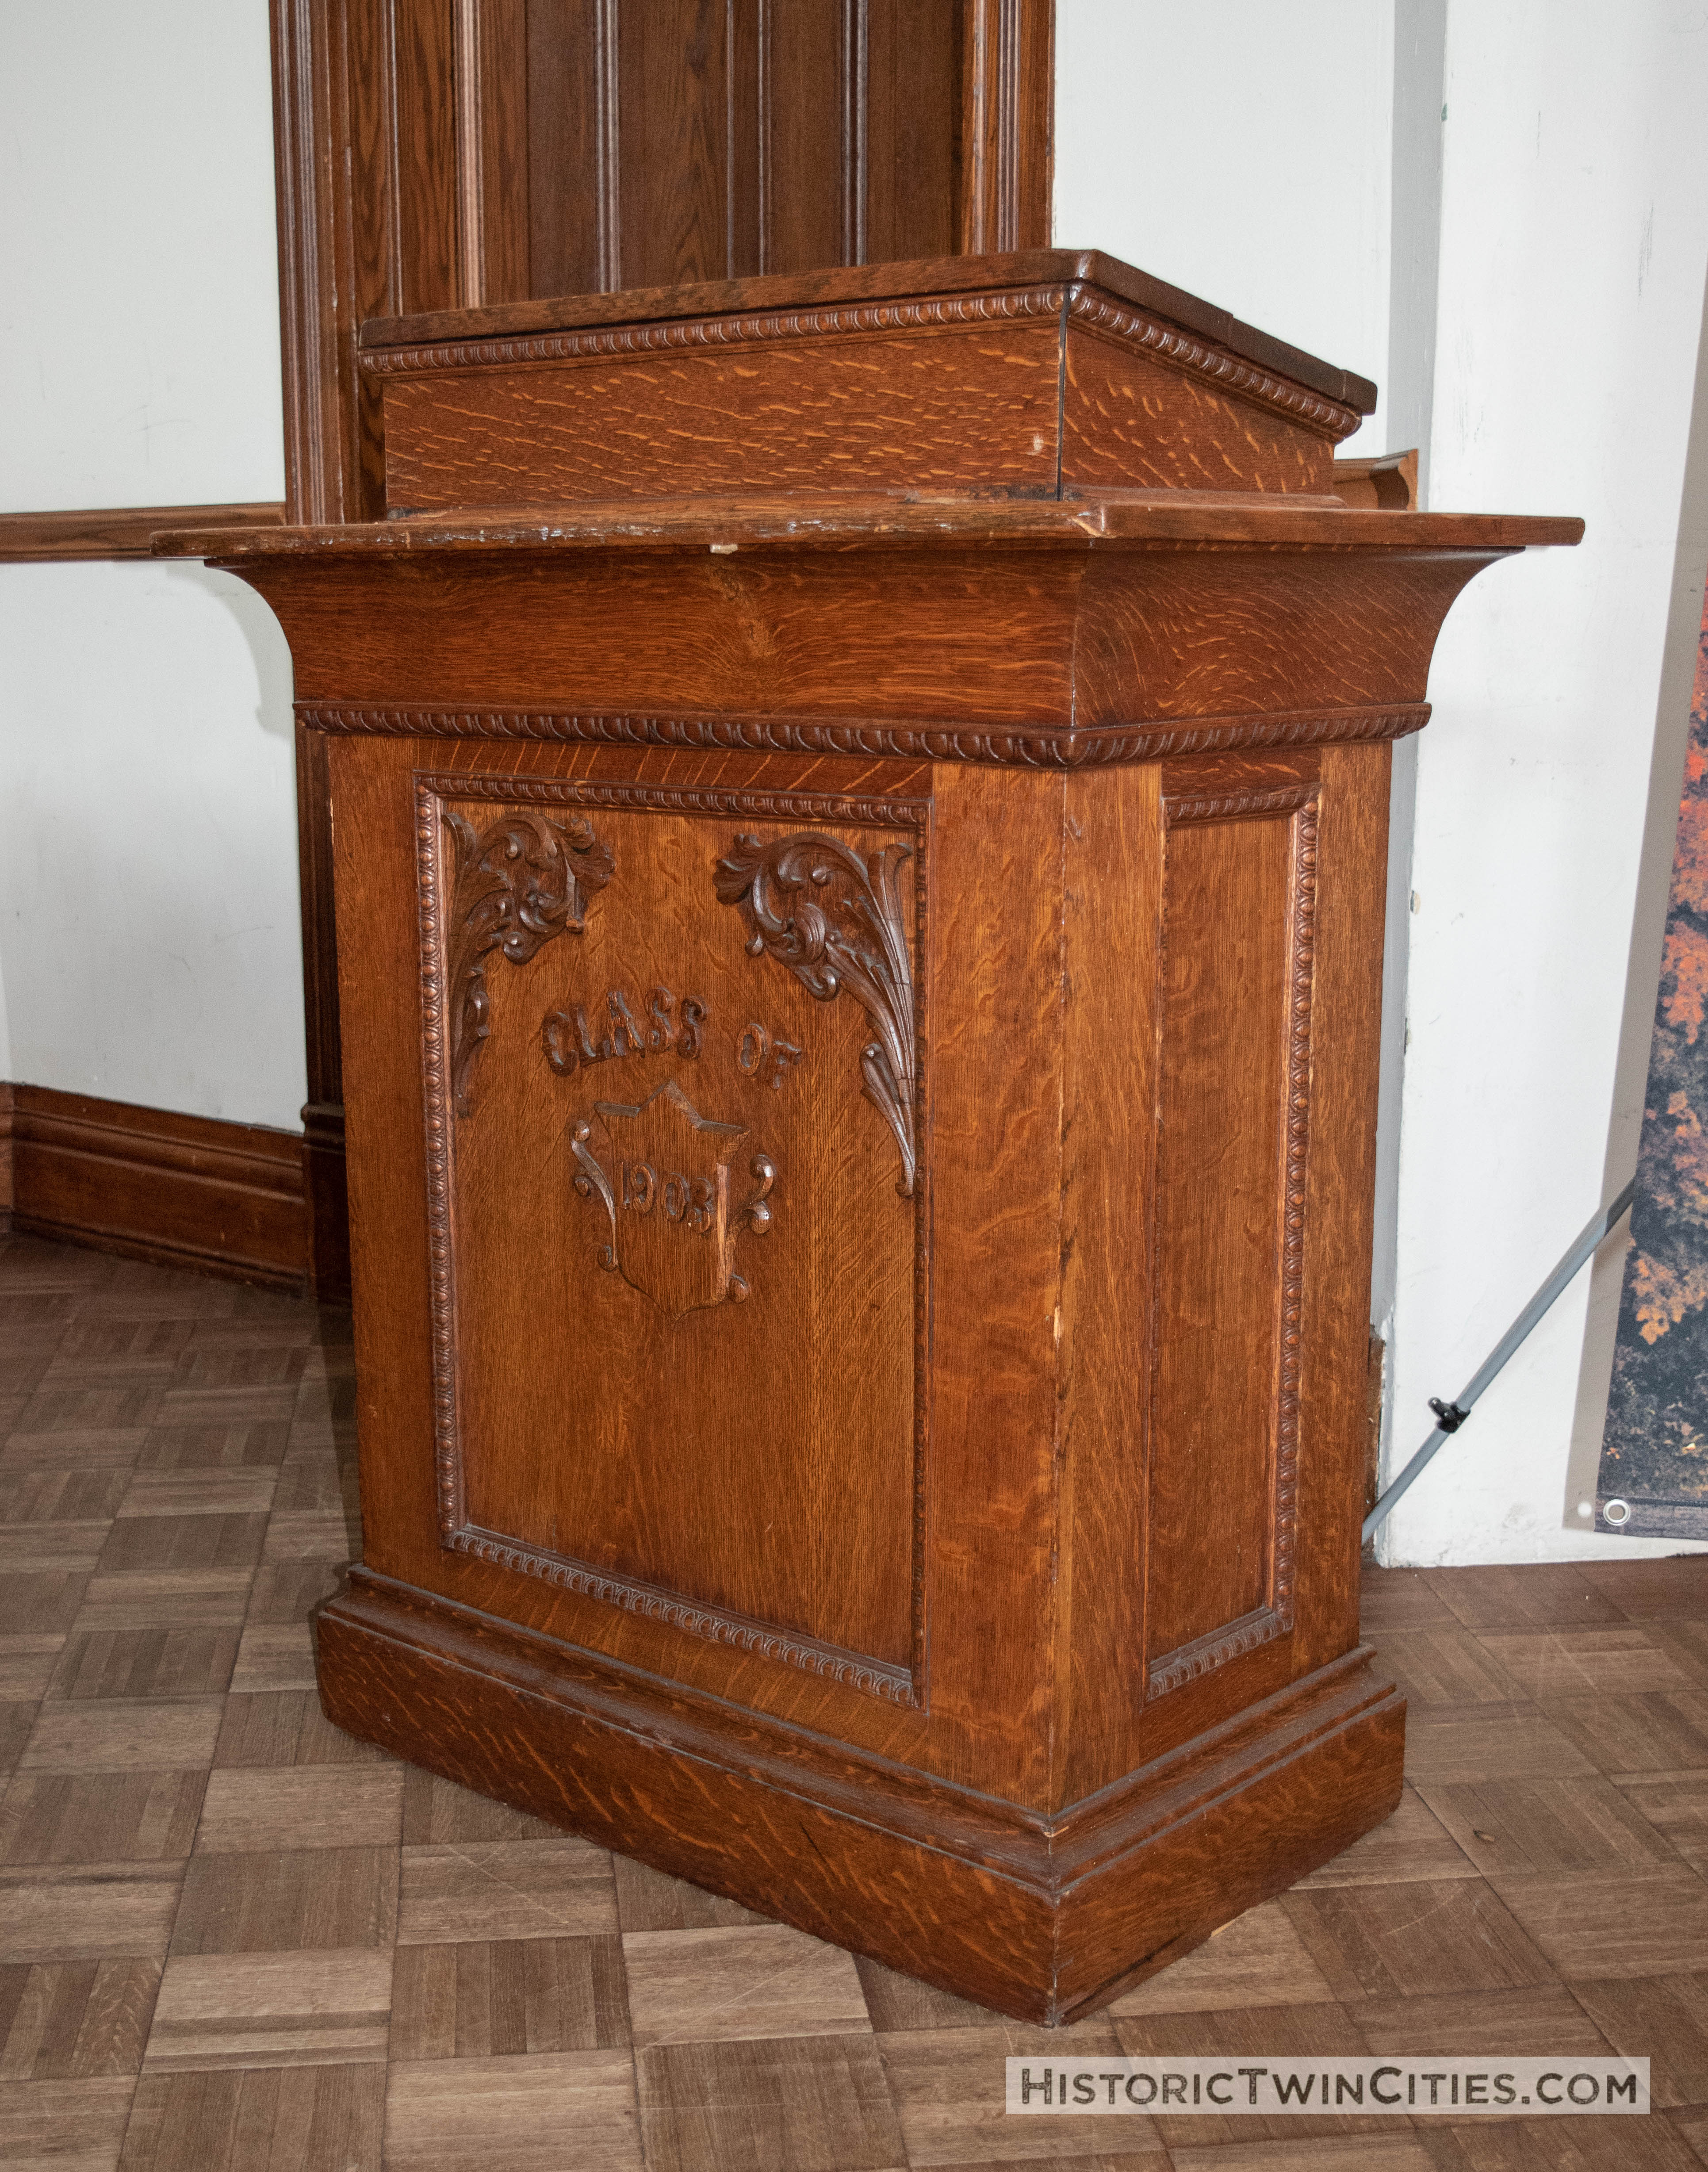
[[567, 248], [670, 160], [811, 135], [1005, 138], [913, 104], [425, 192], [492, 149], [370, 243], [676, 140]]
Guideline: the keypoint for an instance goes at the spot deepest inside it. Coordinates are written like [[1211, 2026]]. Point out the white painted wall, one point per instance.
[[1574, 245], [1553, 243], [147, 844], [148, 919], [1241, 150], [139, 333]]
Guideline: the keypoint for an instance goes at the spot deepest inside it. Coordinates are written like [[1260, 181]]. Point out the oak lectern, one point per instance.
[[860, 809]]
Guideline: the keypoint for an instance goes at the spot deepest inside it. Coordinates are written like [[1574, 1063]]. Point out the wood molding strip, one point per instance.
[[151, 1184], [858, 286], [1388, 483], [1045, 747], [1153, 334], [121, 531], [319, 462], [335, 226]]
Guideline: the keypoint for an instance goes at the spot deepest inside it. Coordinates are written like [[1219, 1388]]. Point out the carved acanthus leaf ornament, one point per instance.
[[836, 921], [520, 881]]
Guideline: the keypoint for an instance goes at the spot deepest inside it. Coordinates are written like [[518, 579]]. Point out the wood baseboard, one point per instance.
[[184, 1191], [5, 1156], [116, 531], [1042, 1916]]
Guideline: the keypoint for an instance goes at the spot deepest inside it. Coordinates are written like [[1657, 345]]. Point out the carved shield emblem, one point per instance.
[[676, 1188]]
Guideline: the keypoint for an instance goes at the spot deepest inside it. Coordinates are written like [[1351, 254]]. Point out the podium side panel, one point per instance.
[[997, 1003], [677, 1329], [1235, 919], [1113, 895], [1130, 423], [377, 813], [1346, 1056]]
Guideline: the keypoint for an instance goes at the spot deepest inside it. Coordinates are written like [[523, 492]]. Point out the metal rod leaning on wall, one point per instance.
[[1454, 1415]]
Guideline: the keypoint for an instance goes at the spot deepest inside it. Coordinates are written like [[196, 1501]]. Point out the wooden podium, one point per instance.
[[860, 807]]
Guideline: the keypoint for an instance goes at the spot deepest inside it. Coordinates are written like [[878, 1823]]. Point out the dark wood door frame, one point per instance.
[[396, 141]]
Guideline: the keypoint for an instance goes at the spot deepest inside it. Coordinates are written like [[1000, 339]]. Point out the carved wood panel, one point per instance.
[[670, 1211], [517, 883], [831, 917], [1234, 1064]]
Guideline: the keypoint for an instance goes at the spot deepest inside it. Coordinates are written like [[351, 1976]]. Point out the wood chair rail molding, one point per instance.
[[117, 531]]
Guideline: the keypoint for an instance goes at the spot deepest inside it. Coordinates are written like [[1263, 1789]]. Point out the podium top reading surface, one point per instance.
[[1040, 374], [883, 283]]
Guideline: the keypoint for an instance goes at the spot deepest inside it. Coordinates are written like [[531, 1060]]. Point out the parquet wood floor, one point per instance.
[[231, 1936]]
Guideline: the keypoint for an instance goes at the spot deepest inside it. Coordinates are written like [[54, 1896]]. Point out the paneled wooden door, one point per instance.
[[438, 154]]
